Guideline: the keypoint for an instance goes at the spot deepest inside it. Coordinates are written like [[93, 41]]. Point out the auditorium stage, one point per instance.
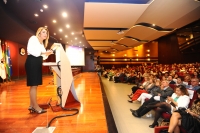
[[15, 117]]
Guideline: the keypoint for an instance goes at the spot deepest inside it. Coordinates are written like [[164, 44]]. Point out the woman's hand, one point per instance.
[[48, 52]]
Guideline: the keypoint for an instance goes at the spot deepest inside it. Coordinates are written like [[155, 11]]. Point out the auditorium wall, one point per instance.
[[18, 61]]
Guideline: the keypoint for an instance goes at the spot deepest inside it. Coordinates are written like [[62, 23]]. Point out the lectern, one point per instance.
[[64, 77]]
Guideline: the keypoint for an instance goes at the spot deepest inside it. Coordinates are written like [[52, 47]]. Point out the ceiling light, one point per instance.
[[60, 30], [60, 38], [41, 10], [54, 33], [120, 32], [54, 21], [83, 45], [72, 33], [66, 36], [153, 24], [45, 6], [79, 42], [75, 38], [36, 15], [67, 25], [148, 50], [64, 14]]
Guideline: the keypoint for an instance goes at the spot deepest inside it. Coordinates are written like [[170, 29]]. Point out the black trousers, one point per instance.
[[143, 109]]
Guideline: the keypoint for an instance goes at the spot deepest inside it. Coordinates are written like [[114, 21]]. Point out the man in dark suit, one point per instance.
[[161, 97]]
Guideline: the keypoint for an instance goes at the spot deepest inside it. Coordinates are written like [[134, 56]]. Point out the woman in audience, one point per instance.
[[189, 120], [144, 84], [141, 90], [151, 92], [178, 99]]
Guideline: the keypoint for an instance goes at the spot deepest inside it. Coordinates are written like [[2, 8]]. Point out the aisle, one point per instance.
[[120, 107]]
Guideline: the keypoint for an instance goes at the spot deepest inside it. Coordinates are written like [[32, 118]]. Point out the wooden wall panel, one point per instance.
[[168, 50]]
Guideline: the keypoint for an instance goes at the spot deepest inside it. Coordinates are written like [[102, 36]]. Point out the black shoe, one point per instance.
[[130, 101], [31, 109], [40, 111], [153, 125], [134, 113], [132, 110], [130, 97]]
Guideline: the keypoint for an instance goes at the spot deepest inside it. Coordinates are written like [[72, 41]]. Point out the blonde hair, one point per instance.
[[46, 40]]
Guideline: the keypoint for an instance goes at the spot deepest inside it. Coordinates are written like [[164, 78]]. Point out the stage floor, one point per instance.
[[14, 103]]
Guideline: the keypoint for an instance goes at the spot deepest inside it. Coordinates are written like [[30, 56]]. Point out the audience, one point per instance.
[[146, 80]]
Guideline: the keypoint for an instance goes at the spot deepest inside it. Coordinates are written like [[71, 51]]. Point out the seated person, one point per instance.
[[186, 80], [142, 90], [151, 92], [179, 99], [162, 96], [179, 82], [170, 79], [180, 118], [194, 84], [143, 85]]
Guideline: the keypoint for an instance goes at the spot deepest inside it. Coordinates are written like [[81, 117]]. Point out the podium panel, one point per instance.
[[64, 78]]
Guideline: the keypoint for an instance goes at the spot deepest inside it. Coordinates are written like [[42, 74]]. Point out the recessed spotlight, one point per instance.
[[66, 36], [72, 33], [60, 30], [75, 38], [71, 40], [153, 24], [67, 25], [36, 15], [80, 42], [54, 21], [64, 14], [46, 26], [41, 10], [83, 45], [60, 38], [54, 33], [45, 6]]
